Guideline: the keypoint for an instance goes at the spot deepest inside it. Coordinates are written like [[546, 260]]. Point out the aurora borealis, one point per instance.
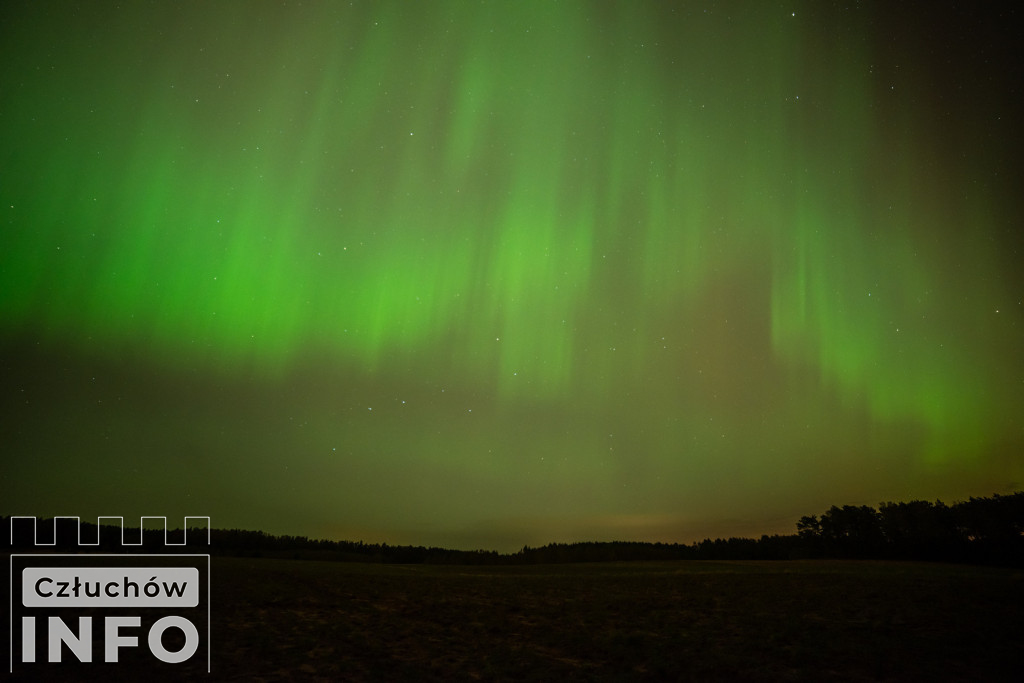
[[483, 274]]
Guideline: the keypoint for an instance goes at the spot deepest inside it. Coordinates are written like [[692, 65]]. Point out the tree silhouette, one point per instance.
[[980, 530]]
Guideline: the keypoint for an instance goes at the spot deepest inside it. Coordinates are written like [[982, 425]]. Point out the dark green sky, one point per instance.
[[482, 274]]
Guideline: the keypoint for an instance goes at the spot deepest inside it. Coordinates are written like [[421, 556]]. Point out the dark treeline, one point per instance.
[[979, 530]]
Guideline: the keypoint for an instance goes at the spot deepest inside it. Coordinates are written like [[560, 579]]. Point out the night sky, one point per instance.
[[487, 274]]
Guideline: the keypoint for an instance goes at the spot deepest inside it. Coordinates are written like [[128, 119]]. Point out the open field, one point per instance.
[[772, 621]]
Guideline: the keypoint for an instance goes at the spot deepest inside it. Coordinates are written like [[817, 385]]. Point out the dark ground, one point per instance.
[[278, 620]]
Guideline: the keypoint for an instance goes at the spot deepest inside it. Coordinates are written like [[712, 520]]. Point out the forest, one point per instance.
[[987, 531]]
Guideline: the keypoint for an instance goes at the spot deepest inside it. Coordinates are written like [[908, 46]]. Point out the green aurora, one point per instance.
[[481, 274]]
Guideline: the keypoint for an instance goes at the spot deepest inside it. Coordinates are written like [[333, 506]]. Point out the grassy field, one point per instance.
[[704, 621]]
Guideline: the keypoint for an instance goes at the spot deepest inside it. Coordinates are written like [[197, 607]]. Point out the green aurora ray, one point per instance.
[[624, 264]]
